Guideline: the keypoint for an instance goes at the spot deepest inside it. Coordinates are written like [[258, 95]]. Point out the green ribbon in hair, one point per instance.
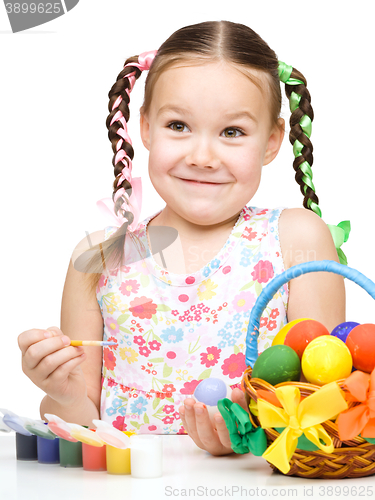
[[340, 233], [244, 437], [284, 74], [284, 71]]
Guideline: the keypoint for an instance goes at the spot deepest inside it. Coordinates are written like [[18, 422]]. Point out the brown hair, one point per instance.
[[191, 45]]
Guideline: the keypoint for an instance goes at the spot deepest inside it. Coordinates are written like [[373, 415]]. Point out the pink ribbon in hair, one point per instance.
[[144, 60], [107, 206]]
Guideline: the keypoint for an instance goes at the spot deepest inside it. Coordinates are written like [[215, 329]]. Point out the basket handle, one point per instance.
[[294, 272]]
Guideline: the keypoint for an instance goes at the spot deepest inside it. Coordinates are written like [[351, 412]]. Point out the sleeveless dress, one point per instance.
[[174, 330]]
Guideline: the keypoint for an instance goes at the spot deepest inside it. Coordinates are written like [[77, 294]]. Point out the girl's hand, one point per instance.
[[53, 365], [200, 428]]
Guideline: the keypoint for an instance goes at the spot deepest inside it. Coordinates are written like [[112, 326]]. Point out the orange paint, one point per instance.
[[94, 457]]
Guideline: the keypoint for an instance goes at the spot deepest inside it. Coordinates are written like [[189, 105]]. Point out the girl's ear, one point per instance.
[[274, 141], [145, 131]]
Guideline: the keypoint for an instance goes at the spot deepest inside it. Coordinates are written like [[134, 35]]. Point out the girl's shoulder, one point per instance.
[[304, 236]]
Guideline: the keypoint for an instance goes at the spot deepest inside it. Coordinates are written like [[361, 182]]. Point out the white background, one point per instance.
[[56, 158]]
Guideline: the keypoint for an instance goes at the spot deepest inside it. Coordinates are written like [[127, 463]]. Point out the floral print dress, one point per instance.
[[174, 330]]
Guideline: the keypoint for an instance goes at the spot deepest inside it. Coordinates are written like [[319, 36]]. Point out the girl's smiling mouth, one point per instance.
[[204, 183]]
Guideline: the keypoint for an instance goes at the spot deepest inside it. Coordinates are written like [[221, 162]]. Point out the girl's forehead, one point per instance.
[[209, 83]]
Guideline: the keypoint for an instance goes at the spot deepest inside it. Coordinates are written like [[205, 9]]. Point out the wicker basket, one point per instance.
[[355, 458]]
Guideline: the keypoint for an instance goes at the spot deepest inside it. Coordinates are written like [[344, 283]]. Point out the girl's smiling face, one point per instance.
[[208, 123]]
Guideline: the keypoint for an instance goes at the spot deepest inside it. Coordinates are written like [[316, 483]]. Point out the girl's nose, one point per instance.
[[202, 154]]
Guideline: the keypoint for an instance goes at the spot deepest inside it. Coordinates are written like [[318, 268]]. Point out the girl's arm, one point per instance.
[[305, 237]]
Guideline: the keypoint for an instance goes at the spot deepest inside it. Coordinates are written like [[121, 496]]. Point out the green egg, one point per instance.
[[278, 363]]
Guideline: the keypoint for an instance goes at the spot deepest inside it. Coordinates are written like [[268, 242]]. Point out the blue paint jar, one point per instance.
[[48, 450]]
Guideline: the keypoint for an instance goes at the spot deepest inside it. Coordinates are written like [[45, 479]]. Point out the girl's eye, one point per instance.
[[232, 132], [178, 127]]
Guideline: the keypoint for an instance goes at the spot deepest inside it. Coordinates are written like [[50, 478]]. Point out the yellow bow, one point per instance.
[[299, 418]]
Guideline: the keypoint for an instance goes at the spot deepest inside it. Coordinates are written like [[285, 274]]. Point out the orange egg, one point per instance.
[[280, 336], [301, 334], [361, 344]]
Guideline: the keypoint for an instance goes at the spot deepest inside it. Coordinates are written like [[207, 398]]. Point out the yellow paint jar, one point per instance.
[[118, 460]]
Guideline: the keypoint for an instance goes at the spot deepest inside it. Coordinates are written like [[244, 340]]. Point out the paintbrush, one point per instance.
[[99, 343]]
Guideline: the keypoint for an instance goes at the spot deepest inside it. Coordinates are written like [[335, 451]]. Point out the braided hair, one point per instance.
[[119, 114], [300, 132], [122, 148]]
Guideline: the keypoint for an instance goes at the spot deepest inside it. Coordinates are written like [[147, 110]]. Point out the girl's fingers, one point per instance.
[[62, 371], [53, 361], [208, 436], [222, 431], [204, 428], [26, 339], [189, 419], [38, 351]]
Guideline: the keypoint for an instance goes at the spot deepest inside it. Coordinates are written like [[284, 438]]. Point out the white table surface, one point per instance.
[[188, 472]]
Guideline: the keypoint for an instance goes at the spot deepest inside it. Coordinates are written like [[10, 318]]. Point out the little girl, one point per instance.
[[175, 291]]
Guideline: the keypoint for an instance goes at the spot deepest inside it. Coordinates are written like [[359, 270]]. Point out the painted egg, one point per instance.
[[280, 336], [342, 330], [210, 390], [325, 360], [278, 363], [301, 334], [361, 344]]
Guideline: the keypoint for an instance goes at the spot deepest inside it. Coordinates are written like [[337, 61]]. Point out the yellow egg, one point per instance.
[[326, 359], [280, 336]]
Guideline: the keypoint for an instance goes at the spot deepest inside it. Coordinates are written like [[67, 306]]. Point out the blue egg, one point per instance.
[[210, 390], [343, 329]]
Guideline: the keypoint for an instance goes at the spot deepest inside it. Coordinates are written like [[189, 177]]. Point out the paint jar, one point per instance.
[[26, 447], [48, 450], [118, 460], [94, 457], [70, 453], [146, 456]]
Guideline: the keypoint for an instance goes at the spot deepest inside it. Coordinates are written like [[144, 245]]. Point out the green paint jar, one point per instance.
[[70, 453]]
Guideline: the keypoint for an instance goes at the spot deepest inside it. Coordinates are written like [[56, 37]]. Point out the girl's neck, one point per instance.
[[189, 231]]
